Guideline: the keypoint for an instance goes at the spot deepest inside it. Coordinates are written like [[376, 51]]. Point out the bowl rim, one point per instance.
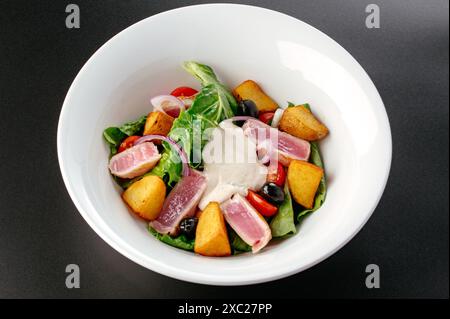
[[179, 273]]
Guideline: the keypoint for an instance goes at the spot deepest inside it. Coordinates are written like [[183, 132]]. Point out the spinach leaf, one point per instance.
[[215, 101], [212, 105], [283, 222], [115, 135], [202, 72], [321, 193], [167, 169], [169, 166], [290, 104], [179, 242], [186, 128], [125, 182], [316, 159], [135, 127], [237, 243]]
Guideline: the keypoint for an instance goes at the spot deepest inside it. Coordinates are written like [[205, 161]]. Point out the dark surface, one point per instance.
[[41, 231]]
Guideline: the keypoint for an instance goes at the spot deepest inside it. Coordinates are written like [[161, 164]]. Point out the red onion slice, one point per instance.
[[168, 104], [184, 159]]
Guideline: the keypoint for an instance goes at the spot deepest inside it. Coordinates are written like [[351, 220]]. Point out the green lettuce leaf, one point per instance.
[[283, 223], [125, 182], [238, 245], [202, 72], [213, 104], [316, 159], [321, 193], [290, 104], [180, 241], [115, 135], [135, 127], [169, 166]]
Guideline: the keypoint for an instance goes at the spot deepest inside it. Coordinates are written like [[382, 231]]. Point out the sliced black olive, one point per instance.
[[188, 227], [273, 193], [248, 108]]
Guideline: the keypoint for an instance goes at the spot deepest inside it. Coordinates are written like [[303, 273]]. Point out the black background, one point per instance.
[[41, 231]]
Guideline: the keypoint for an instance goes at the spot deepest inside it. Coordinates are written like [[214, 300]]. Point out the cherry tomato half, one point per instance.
[[278, 177], [266, 117], [127, 143], [261, 205], [183, 91]]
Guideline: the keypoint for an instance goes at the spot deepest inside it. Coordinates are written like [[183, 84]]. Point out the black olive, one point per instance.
[[273, 193], [248, 108], [188, 226]]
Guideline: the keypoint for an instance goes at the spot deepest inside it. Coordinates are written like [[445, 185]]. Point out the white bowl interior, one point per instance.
[[293, 62]]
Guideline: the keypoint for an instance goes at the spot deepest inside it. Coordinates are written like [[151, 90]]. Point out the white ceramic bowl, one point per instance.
[[293, 62]]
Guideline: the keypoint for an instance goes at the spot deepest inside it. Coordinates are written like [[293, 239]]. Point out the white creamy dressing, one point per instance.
[[230, 165]]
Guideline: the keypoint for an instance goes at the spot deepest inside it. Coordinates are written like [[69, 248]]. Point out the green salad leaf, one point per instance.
[[180, 241], [213, 104], [169, 166], [316, 159], [135, 127], [214, 94], [115, 135], [125, 182], [321, 194], [205, 74], [283, 223], [290, 104], [236, 242]]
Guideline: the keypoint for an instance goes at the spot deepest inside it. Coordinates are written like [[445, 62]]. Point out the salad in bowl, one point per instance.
[[218, 171]]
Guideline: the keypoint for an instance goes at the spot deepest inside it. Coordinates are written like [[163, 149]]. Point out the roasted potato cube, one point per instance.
[[146, 196], [211, 237], [300, 122], [198, 213], [250, 90], [158, 123], [303, 181]]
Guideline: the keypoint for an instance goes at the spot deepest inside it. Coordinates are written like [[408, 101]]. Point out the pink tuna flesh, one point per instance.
[[287, 147], [246, 222], [181, 203], [134, 161]]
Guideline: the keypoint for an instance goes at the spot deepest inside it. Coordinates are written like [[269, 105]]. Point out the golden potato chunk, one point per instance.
[[250, 90], [158, 123], [300, 122], [198, 213], [211, 237], [303, 181], [146, 196]]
